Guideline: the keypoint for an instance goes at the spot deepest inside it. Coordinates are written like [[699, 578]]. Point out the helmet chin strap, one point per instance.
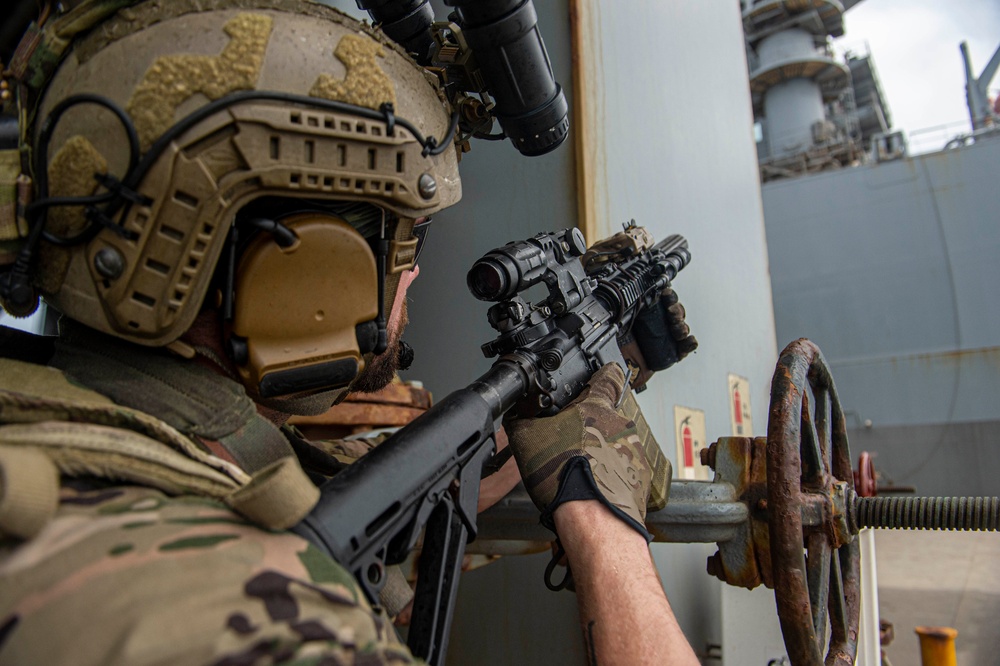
[[390, 270]]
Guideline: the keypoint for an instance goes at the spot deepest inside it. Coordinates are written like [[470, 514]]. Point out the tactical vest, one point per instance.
[[148, 418], [50, 426]]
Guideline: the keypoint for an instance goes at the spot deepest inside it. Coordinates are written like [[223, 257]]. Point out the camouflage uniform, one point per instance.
[[123, 573], [142, 497]]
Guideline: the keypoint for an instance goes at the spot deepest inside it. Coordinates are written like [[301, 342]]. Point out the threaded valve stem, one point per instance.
[[928, 513]]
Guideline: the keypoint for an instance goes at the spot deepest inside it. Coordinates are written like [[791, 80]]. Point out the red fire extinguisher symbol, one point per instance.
[[688, 443], [737, 409]]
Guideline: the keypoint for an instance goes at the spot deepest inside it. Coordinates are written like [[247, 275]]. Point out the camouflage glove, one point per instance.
[[590, 450]]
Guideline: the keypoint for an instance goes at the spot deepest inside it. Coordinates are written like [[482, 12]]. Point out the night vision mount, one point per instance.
[[492, 61]]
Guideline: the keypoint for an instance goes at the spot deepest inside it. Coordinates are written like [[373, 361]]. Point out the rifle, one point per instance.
[[603, 306]]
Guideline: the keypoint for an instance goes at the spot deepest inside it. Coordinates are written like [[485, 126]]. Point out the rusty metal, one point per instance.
[[734, 562], [809, 467], [757, 497], [864, 509], [744, 560], [783, 511], [865, 477], [707, 456]]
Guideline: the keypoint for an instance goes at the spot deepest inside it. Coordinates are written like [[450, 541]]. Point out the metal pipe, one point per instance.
[[698, 512], [869, 648], [711, 512]]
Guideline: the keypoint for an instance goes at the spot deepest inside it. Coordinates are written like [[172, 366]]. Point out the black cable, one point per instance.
[[16, 284], [499, 136], [50, 122], [389, 112], [37, 210], [283, 236], [138, 166], [431, 145], [123, 193]]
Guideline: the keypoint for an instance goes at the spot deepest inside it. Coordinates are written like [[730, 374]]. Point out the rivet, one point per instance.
[[427, 186], [109, 263]]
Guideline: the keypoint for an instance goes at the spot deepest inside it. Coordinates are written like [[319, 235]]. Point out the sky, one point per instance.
[[915, 45]]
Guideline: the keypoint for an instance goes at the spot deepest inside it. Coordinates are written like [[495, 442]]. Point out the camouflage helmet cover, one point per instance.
[[168, 65]]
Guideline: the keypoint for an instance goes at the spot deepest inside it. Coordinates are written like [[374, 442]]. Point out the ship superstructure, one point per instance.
[[813, 110], [885, 259]]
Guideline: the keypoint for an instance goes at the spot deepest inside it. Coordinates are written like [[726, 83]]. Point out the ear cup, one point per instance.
[[300, 310]]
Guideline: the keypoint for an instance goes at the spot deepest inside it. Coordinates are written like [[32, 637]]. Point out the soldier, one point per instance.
[[226, 199]]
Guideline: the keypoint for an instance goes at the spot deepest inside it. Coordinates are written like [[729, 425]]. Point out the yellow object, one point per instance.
[[937, 646]]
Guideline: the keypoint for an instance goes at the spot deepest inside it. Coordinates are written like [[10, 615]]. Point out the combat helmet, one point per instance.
[[268, 157]]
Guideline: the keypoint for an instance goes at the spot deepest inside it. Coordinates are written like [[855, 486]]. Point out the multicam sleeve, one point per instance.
[[128, 575]]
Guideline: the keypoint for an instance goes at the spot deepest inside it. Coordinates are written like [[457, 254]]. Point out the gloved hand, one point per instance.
[[662, 335], [676, 324], [590, 450]]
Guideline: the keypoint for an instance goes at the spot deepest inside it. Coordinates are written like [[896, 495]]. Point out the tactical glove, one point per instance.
[[591, 450], [662, 334], [676, 324]]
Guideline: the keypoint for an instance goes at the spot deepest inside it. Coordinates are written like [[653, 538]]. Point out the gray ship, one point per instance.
[[886, 260]]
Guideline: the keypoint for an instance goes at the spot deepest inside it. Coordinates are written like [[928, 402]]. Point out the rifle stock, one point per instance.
[[371, 514]]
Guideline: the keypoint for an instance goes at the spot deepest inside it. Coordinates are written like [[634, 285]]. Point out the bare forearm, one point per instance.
[[625, 614]]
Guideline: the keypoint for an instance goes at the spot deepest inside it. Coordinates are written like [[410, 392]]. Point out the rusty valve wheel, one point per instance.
[[815, 558]]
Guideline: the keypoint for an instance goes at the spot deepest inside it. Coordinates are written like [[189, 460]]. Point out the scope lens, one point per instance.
[[530, 105], [487, 281]]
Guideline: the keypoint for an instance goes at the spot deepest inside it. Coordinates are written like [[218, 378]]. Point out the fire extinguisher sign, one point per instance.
[[739, 406], [689, 427]]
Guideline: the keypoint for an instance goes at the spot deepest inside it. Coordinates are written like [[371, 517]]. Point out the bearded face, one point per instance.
[[379, 373]]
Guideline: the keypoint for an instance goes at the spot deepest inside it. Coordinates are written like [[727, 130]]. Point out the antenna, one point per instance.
[[976, 96]]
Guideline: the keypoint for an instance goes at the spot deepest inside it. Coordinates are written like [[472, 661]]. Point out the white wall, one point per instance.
[[676, 152]]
